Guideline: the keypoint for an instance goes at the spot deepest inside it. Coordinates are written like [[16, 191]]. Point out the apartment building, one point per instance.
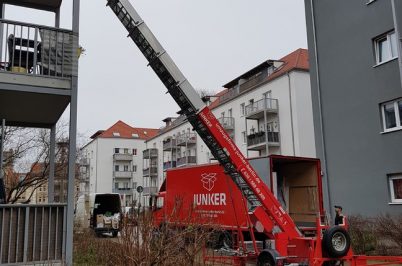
[[266, 110], [112, 161], [356, 66]]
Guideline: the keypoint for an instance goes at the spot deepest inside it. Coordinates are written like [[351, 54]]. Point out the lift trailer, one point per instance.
[[330, 245]]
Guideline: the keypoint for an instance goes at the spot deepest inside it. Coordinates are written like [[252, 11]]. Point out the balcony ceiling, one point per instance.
[[31, 109], [49, 5]]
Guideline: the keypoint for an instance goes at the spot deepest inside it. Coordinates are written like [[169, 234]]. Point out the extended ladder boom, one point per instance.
[[202, 119]]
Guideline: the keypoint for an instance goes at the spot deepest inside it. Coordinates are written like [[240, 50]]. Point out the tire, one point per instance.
[[115, 233], [265, 258], [336, 242]]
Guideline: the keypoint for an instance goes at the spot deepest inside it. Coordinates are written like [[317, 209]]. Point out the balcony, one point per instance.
[[150, 191], [256, 110], [122, 157], [123, 191], [169, 164], [187, 139], [36, 69], [169, 144], [84, 161], [187, 160], [150, 171], [123, 174], [258, 141], [228, 123], [150, 153]]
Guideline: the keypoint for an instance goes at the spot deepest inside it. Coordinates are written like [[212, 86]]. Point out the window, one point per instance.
[[125, 151], [223, 114], [134, 168], [116, 185], [243, 135], [134, 185], [116, 150], [392, 115], [385, 47], [230, 113], [135, 135], [395, 187], [116, 134], [116, 168], [242, 109], [125, 168], [134, 151]]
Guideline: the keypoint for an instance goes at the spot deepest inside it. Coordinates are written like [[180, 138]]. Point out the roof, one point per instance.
[[296, 60], [123, 130]]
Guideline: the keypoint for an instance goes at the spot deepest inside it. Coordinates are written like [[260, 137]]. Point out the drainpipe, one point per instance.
[[291, 114], [321, 121], [398, 37]]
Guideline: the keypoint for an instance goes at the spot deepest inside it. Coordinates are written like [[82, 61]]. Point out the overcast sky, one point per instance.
[[211, 41]]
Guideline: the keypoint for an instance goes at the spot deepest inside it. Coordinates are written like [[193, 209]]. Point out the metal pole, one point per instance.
[[2, 189], [50, 189], [2, 8], [72, 144]]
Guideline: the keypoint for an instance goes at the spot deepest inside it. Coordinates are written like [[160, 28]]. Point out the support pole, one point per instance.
[[50, 189], [2, 189]]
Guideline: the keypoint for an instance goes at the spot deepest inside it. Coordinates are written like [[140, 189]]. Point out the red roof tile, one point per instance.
[[126, 131], [297, 60]]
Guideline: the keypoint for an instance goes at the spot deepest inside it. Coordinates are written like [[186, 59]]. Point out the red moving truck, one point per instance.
[[205, 194]]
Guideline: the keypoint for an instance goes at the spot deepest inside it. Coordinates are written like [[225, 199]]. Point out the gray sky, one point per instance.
[[211, 41]]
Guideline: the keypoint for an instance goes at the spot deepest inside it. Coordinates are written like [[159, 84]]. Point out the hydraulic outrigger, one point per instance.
[[291, 246]]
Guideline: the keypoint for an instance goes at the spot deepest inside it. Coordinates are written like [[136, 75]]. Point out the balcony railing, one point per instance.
[[123, 174], [150, 171], [261, 137], [228, 123], [169, 144], [230, 94], [169, 164], [32, 234], [126, 190], [150, 190], [38, 50], [122, 157], [253, 81], [186, 160], [150, 153], [186, 139], [266, 104]]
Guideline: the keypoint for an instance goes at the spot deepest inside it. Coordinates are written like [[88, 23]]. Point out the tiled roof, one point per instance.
[[123, 130], [297, 60]]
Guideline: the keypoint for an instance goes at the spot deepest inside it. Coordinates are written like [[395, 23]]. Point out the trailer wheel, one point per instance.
[[267, 258], [336, 242]]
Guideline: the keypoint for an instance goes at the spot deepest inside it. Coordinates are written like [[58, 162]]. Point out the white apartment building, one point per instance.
[[112, 161], [266, 110]]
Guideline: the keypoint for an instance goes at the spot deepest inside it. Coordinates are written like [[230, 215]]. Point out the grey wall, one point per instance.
[[348, 91]]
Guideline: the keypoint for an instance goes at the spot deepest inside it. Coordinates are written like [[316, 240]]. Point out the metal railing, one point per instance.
[[169, 144], [253, 81], [150, 171], [125, 191], [38, 50], [150, 153], [227, 123], [150, 190], [230, 94], [186, 160], [122, 157], [123, 174], [261, 105], [260, 137], [185, 139], [169, 164], [179, 120], [32, 233]]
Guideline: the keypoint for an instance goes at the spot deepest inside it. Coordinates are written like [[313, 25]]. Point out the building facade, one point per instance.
[[112, 162], [266, 110], [355, 52]]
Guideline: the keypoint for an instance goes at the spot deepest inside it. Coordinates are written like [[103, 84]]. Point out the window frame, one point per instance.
[[391, 188], [243, 109], [377, 40], [396, 113]]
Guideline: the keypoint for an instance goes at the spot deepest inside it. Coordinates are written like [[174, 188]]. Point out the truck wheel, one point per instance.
[[336, 242], [115, 233], [266, 258]]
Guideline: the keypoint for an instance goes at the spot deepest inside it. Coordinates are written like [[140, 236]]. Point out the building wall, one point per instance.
[[347, 91]]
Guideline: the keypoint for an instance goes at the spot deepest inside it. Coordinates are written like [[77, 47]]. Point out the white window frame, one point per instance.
[[397, 117], [391, 187], [376, 48]]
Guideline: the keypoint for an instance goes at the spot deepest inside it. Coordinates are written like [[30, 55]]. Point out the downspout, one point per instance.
[[321, 121], [291, 114], [398, 37]]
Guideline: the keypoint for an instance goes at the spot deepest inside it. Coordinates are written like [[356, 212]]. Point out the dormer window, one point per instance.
[[116, 134], [135, 135]]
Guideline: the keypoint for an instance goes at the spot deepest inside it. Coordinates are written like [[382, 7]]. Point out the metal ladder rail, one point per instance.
[[192, 106]]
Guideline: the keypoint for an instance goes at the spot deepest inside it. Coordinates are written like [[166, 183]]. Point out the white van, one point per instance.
[[100, 211]]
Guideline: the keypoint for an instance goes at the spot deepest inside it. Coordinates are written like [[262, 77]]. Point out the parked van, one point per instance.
[[99, 211]]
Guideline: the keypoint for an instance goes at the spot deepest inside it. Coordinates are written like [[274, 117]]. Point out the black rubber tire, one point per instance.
[[115, 233], [336, 242], [265, 259]]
